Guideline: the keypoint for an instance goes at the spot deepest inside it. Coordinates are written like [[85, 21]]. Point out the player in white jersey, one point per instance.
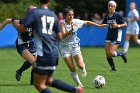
[[133, 27], [70, 46]]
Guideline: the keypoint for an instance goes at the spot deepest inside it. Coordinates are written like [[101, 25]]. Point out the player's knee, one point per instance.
[[72, 69], [33, 60], [49, 81], [110, 54], [38, 87]]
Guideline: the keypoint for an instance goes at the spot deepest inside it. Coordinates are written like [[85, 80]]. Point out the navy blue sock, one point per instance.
[[25, 66], [32, 78], [63, 86], [111, 63], [46, 90], [118, 53]]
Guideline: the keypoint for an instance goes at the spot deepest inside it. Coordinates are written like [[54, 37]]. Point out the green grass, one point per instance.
[[124, 80]]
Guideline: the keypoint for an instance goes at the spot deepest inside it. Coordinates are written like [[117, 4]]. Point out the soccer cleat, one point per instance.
[[113, 69], [79, 90], [124, 58], [18, 75], [83, 73]]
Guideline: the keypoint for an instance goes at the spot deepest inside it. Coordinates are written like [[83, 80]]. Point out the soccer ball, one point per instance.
[[99, 81]]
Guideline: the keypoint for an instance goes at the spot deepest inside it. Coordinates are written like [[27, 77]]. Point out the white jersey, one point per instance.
[[131, 15], [72, 39]]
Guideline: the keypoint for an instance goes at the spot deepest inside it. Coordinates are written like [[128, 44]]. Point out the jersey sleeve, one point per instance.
[[136, 14], [121, 19], [79, 23], [105, 20]]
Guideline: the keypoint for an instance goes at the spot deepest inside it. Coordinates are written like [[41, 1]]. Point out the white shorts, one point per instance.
[[132, 31], [69, 50]]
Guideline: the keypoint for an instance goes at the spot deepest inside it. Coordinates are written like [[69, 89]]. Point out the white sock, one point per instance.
[[126, 46], [75, 77], [138, 41]]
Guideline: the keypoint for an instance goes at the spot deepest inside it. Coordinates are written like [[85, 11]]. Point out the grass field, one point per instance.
[[124, 80]]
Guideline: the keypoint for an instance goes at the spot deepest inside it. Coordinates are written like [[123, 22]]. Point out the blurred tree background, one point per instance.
[[17, 8]]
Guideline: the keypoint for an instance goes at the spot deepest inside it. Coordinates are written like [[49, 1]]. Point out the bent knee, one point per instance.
[[110, 54]]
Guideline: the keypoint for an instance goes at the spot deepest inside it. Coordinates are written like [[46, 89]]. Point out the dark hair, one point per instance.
[[44, 1], [66, 10]]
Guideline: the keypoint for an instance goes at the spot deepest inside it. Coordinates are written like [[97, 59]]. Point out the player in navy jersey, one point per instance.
[[115, 22], [25, 47], [46, 29]]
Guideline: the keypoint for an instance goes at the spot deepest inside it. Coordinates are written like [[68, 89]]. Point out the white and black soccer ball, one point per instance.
[[99, 81]]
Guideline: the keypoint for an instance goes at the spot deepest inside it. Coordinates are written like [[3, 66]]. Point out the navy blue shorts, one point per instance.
[[45, 65], [26, 46]]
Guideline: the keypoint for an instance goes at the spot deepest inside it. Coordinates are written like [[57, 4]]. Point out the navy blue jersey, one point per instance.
[[45, 25], [26, 36], [112, 33]]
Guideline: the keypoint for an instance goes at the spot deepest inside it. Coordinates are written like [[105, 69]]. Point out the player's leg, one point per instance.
[[44, 76], [109, 57], [80, 63], [28, 56], [32, 78], [40, 83], [126, 43], [24, 67], [22, 49], [76, 53], [114, 53], [66, 54], [135, 39], [69, 61]]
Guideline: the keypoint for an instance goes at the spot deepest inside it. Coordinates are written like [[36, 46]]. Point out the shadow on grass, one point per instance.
[[15, 85]]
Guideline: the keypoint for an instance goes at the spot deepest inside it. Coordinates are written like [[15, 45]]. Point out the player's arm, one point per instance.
[[64, 32], [4, 23], [119, 25], [103, 25], [122, 22], [132, 20], [91, 23]]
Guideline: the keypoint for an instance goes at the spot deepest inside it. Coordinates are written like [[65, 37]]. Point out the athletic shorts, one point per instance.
[[114, 38], [45, 65], [69, 50], [132, 31], [26, 46]]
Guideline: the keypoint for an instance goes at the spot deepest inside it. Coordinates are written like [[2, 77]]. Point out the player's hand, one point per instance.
[[115, 25]]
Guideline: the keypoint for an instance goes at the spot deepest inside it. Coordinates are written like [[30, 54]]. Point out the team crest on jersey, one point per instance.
[[28, 29], [111, 21]]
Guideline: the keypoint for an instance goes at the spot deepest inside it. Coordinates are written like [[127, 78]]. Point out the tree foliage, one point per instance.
[[17, 8]]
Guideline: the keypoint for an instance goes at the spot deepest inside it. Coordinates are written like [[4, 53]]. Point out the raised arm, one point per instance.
[[4, 23], [91, 23]]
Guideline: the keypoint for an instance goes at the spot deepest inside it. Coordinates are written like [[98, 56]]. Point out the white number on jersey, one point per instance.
[[47, 20]]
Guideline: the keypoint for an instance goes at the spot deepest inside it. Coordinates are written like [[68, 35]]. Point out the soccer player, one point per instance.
[[25, 47], [115, 22], [133, 27], [46, 29], [70, 45]]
